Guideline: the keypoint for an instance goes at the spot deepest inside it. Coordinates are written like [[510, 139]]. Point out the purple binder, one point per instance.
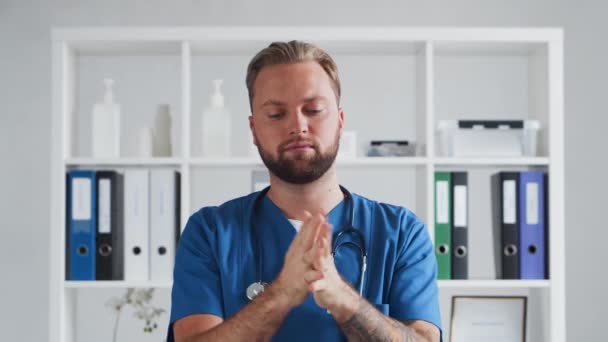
[[532, 225]]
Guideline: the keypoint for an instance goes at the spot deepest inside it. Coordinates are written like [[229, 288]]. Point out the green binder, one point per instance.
[[443, 224]]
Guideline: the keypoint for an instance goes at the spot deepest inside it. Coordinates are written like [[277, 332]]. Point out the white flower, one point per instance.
[[115, 303]]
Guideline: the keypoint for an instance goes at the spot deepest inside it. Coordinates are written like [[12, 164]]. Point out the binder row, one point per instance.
[[122, 226], [520, 220]]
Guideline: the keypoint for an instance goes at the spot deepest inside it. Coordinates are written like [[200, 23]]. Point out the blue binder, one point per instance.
[[532, 225], [82, 217]]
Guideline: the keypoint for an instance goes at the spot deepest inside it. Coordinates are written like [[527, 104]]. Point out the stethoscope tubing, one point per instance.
[[256, 288]]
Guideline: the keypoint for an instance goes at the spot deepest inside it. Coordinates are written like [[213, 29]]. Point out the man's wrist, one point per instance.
[[346, 306], [280, 296]]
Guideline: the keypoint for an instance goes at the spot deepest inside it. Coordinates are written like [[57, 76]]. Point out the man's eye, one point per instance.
[[314, 111], [275, 115]]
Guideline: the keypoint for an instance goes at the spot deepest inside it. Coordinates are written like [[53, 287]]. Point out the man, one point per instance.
[[314, 282]]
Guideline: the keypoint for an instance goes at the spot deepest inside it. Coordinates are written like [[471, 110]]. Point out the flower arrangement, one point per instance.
[[139, 299]]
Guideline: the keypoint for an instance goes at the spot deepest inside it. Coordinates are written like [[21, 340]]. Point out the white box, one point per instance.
[[488, 138]]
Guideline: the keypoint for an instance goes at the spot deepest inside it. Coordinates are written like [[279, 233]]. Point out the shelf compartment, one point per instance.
[[498, 81], [399, 67], [145, 74]]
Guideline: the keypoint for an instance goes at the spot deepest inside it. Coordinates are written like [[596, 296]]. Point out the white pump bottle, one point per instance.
[[216, 126], [105, 125]]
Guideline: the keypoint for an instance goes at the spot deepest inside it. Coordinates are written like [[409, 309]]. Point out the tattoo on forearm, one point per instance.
[[367, 324]]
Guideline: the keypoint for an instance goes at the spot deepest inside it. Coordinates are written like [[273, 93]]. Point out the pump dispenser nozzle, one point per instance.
[[217, 99], [108, 97]]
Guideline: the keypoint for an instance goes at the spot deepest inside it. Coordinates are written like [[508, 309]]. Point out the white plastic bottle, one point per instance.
[[105, 125], [216, 126], [162, 132], [145, 142]]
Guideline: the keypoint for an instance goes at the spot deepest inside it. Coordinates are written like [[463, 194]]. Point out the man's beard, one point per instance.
[[289, 170]]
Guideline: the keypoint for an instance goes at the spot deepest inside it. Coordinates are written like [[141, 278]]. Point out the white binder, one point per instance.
[[136, 230], [164, 206]]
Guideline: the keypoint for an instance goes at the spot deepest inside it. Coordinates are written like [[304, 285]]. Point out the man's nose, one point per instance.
[[298, 123]]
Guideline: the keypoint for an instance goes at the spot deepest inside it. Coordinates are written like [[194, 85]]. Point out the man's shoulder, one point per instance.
[[231, 210], [393, 222], [385, 209]]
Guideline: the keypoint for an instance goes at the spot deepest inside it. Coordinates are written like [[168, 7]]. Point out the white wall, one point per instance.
[[24, 169], [25, 121]]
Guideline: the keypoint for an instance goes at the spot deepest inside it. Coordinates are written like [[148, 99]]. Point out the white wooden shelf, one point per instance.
[[502, 161], [359, 161], [70, 284], [382, 161], [433, 74], [226, 162], [123, 162], [497, 283]]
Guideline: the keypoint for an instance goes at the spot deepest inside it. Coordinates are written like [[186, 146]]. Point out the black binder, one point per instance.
[[460, 213], [507, 200], [547, 230], [110, 236], [178, 207]]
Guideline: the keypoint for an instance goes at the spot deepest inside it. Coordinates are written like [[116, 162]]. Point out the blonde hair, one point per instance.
[[291, 52]]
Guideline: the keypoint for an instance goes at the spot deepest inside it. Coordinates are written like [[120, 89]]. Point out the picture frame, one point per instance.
[[488, 318]]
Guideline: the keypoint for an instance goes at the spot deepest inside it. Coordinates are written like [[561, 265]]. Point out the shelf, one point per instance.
[[441, 283], [348, 162], [126, 48], [123, 162], [494, 283], [226, 162], [360, 161], [382, 161], [504, 161], [427, 75], [352, 47], [100, 284]]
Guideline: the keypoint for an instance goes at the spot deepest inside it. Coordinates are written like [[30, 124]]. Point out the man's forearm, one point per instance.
[[368, 324], [257, 321]]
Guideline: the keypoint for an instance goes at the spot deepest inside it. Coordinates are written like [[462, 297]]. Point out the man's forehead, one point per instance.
[[298, 83], [282, 74]]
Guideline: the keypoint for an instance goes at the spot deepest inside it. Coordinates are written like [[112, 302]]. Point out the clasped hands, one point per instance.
[[309, 267]]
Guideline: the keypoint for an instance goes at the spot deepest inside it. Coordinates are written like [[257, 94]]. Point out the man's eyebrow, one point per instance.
[[273, 103], [314, 98], [305, 100]]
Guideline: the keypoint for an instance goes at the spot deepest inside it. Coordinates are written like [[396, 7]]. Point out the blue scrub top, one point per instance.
[[216, 261]]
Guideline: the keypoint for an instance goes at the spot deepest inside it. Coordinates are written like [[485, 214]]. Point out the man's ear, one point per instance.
[[252, 129], [340, 119]]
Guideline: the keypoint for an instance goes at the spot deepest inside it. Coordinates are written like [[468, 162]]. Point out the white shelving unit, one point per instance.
[[420, 75]]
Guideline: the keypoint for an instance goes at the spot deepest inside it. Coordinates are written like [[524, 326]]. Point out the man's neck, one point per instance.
[[320, 196]]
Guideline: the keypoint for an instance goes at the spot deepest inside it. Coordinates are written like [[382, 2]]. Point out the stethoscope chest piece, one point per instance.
[[255, 289]]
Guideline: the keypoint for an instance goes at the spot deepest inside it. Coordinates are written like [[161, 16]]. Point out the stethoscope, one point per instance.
[[258, 287]]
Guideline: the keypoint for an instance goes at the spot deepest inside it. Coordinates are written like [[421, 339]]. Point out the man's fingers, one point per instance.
[[318, 285], [326, 233], [305, 230], [312, 254], [317, 260], [319, 231], [312, 275], [312, 232]]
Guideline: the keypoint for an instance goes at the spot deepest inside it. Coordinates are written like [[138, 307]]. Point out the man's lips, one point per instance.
[[298, 147]]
